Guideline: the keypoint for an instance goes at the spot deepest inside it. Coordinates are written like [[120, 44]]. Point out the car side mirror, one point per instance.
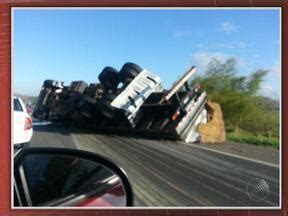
[[48, 177]]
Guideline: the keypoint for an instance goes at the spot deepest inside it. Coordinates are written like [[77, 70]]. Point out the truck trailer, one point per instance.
[[131, 101]]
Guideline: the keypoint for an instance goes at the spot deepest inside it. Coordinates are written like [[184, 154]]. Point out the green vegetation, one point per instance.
[[252, 139], [247, 117]]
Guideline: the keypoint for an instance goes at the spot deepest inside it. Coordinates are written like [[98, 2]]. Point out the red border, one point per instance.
[[5, 83]]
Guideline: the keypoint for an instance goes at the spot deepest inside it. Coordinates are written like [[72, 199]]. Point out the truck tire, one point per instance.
[[109, 78], [100, 90], [37, 113], [95, 90], [46, 96], [85, 110], [105, 108], [87, 99], [48, 83], [78, 87], [86, 106], [129, 71], [66, 108]]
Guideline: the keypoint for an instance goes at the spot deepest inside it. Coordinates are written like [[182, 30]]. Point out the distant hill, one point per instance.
[[26, 99], [269, 103]]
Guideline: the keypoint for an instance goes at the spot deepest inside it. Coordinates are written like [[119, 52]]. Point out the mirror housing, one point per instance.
[[83, 179]]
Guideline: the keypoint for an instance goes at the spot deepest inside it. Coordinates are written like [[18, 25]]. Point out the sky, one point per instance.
[[68, 45]]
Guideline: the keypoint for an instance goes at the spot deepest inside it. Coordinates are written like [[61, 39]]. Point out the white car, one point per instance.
[[22, 124]]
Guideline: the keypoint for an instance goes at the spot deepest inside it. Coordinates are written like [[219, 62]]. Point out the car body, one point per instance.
[[22, 124]]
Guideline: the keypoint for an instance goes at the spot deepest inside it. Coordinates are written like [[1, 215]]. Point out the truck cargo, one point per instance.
[[131, 101]]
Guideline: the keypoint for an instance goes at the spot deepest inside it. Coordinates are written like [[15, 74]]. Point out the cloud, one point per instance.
[[275, 69], [271, 87], [231, 45], [181, 33], [268, 91], [228, 27], [267, 87]]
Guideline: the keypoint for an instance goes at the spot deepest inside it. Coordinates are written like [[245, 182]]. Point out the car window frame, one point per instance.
[[20, 105]]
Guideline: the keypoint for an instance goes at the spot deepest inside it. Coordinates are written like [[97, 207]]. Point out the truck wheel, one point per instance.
[[100, 90], [85, 110], [46, 96], [95, 91], [78, 87], [48, 83], [37, 113], [87, 99], [66, 108], [105, 108], [109, 78], [129, 71], [86, 106]]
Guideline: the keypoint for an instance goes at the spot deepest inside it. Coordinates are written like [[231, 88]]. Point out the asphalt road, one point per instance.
[[169, 173]]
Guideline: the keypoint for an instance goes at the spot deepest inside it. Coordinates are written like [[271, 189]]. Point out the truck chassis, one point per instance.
[[131, 101]]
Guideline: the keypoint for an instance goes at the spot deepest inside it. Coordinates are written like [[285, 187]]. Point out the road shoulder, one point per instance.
[[262, 153]]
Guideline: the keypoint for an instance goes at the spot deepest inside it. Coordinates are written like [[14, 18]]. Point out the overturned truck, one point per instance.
[[131, 101]]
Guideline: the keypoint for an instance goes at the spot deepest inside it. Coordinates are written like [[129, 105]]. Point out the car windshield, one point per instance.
[[17, 105]]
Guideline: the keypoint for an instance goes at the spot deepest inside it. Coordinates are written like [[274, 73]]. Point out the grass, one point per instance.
[[258, 128], [253, 139]]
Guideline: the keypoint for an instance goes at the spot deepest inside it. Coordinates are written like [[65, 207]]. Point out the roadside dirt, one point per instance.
[[262, 153]]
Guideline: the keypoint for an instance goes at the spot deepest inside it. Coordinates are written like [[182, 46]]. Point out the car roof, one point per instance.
[[15, 97]]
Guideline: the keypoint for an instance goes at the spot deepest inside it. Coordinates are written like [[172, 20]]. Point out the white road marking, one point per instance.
[[74, 138], [233, 155]]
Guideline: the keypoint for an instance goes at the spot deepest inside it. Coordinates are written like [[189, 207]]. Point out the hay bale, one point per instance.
[[214, 130]]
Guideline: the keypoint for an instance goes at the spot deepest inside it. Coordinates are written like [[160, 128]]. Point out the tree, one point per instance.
[[224, 70], [234, 93], [253, 85], [221, 77]]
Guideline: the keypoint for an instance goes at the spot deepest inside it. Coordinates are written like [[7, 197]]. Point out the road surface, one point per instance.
[[169, 173]]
